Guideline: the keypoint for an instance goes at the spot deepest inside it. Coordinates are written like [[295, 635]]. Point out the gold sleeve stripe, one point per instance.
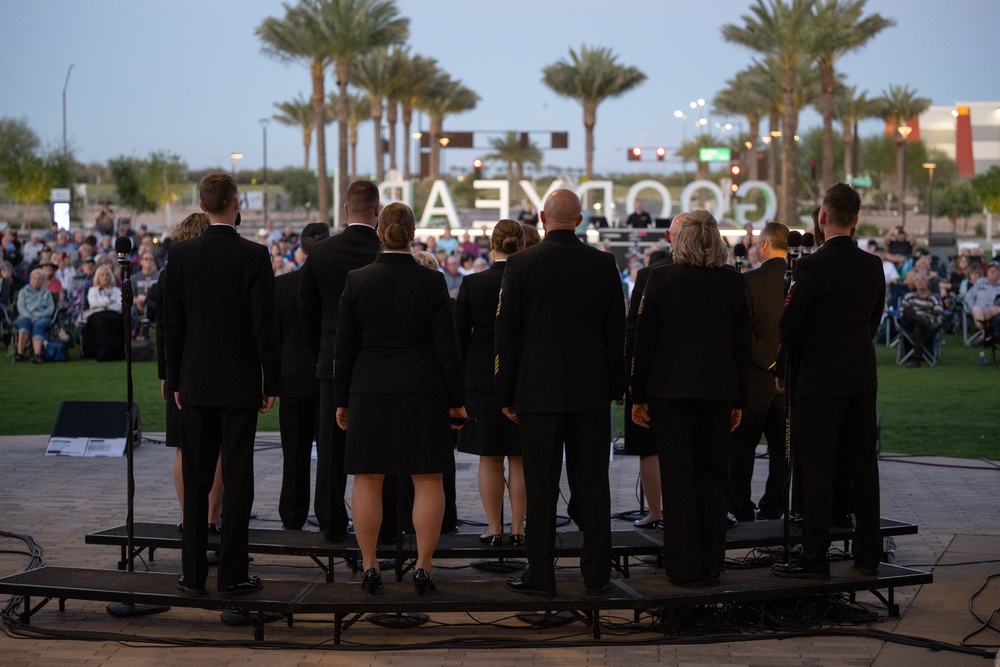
[[499, 301], [642, 302], [496, 364]]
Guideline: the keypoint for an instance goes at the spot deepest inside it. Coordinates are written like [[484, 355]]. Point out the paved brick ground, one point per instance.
[[58, 500]]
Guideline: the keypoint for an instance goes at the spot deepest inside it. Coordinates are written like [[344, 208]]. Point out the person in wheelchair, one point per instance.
[[920, 316]]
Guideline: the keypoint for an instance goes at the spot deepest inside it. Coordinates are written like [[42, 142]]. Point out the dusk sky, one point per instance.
[[188, 76]]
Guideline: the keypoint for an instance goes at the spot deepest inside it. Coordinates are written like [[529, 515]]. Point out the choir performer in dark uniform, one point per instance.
[[493, 436], [223, 366], [560, 336], [764, 412], [298, 405], [398, 375], [689, 379], [831, 315], [323, 278]]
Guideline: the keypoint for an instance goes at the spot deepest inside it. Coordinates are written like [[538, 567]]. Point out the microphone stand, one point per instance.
[[793, 255], [120, 609]]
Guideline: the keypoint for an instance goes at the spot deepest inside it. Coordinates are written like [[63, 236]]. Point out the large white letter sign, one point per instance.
[[606, 187], [502, 203], [447, 208], [694, 186], [770, 203]]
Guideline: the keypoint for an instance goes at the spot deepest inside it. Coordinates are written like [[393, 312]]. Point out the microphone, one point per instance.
[[123, 246], [239, 219], [808, 243], [794, 240], [740, 255]]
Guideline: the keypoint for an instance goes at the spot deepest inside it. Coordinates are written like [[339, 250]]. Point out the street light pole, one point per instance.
[[683, 118], [263, 126], [233, 157], [904, 131], [65, 85]]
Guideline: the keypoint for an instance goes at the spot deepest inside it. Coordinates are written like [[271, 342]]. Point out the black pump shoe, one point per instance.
[[372, 581], [491, 540], [422, 581], [517, 540]]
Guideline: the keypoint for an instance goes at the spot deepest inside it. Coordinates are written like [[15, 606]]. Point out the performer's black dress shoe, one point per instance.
[[600, 590], [731, 520], [797, 571], [795, 517], [491, 540], [249, 586], [422, 581], [190, 591], [372, 581], [713, 579], [515, 584], [866, 571], [842, 521], [214, 529], [336, 536], [517, 540]]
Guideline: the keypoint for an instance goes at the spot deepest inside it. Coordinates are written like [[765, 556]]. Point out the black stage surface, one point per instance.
[[347, 602], [625, 543]]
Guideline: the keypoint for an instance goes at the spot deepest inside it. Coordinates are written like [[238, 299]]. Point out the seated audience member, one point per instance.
[[921, 313], [65, 271], [981, 299], [453, 275], [142, 286], [52, 283], [105, 294], [6, 286], [447, 242], [35, 307], [899, 245], [104, 336]]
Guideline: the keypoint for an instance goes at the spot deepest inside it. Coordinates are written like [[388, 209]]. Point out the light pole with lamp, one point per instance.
[[929, 166], [263, 126], [233, 157], [904, 131], [680, 115], [65, 86]]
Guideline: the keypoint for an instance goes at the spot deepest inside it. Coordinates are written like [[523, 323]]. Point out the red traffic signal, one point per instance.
[[661, 153], [735, 170], [635, 153], [477, 169], [477, 163]]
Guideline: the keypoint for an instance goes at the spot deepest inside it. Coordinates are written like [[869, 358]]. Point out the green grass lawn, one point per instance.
[[949, 410]]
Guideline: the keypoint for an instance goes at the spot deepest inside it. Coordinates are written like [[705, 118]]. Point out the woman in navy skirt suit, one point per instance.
[[398, 384]]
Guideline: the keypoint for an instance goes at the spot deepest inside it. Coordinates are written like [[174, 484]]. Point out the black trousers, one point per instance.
[[298, 419], [831, 430], [692, 438], [764, 414], [331, 481], [587, 439], [920, 330], [207, 430]]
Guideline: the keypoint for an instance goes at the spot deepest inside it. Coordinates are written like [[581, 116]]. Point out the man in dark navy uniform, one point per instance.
[[559, 339], [831, 315]]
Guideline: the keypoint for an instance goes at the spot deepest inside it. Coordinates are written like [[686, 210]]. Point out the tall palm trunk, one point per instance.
[[900, 170], [306, 146], [436, 126], [826, 80], [343, 118], [318, 100], [848, 148], [354, 153], [789, 207], [773, 125], [589, 121], [391, 116], [407, 120], [752, 161], [379, 147]]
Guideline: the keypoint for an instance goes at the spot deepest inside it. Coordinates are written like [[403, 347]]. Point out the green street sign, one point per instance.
[[862, 181], [718, 154]]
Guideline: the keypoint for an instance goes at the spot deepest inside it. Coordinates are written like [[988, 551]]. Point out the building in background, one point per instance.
[[968, 133]]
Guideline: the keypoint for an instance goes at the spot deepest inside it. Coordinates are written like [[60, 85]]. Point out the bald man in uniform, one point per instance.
[[559, 338]]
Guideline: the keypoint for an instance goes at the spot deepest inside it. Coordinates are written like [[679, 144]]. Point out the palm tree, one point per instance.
[[446, 96], [743, 97], [358, 112], [785, 31], [590, 77], [509, 150], [351, 28], [898, 105], [298, 113], [419, 73], [852, 108], [840, 28], [298, 38], [371, 73], [398, 79]]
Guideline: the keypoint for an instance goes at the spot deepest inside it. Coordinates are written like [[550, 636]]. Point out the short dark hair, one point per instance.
[[312, 234], [842, 204], [776, 234], [362, 197], [217, 190]]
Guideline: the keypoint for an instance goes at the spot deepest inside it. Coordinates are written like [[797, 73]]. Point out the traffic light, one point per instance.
[[477, 169], [661, 153], [635, 153], [735, 170]]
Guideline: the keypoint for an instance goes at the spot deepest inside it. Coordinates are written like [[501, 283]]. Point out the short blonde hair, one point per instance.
[[425, 258], [192, 226], [699, 242]]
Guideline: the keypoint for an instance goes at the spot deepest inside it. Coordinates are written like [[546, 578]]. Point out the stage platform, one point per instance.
[[626, 544], [346, 602]]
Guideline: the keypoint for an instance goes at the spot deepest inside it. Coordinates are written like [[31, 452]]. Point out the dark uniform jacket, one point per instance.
[[475, 319], [323, 278], [560, 330], [833, 311], [221, 322], [298, 369], [766, 297]]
